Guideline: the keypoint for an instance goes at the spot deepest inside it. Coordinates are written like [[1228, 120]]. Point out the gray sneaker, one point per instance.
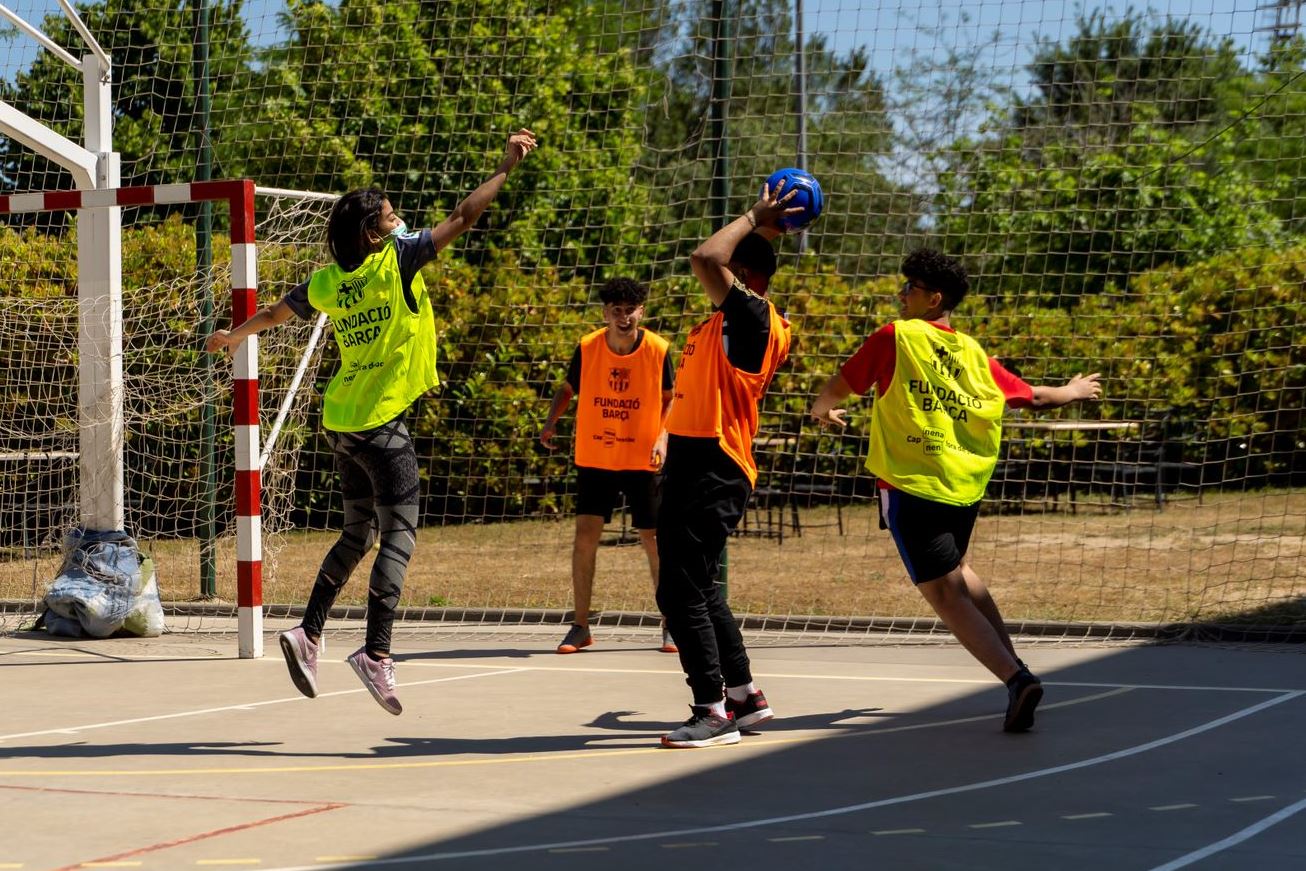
[[379, 678], [703, 729], [301, 658]]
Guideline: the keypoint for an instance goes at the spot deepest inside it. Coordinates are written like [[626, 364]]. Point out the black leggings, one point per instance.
[[704, 494], [378, 477]]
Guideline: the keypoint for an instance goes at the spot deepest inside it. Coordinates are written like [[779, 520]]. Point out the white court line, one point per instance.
[[1233, 840], [246, 706], [852, 808], [760, 744], [411, 663], [985, 681]]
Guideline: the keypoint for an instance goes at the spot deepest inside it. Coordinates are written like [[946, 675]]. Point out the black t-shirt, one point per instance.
[[414, 250], [573, 367], [746, 329]]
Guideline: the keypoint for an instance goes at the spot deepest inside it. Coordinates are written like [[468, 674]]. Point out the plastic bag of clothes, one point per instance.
[[103, 587]]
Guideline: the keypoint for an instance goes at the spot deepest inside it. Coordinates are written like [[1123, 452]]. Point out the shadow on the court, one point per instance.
[[618, 720], [1139, 755]]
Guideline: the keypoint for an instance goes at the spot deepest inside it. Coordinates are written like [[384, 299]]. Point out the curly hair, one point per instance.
[[623, 291], [351, 217], [938, 271]]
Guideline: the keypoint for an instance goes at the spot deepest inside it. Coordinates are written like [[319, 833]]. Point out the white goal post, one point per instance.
[[239, 195]]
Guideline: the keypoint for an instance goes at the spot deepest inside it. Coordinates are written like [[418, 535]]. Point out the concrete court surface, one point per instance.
[[173, 754]]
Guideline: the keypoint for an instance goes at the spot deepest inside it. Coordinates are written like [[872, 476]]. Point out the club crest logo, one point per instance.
[[619, 379], [350, 292]]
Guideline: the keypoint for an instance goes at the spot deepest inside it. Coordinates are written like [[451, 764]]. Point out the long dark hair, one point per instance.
[[351, 217]]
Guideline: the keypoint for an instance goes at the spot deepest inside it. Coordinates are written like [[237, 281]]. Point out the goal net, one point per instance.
[[1123, 186]]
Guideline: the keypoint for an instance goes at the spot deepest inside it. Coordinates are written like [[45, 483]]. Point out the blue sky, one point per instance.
[[888, 29]]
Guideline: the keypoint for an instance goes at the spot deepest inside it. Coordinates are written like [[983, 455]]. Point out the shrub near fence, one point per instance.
[[1218, 349]]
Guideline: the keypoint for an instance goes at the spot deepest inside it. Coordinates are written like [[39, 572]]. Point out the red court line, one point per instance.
[[167, 795], [118, 857]]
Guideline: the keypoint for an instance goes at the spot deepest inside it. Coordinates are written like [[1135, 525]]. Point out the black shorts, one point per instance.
[[597, 491], [932, 537]]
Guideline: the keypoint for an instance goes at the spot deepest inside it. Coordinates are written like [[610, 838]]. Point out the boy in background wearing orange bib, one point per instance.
[[935, 429], [621, 375]]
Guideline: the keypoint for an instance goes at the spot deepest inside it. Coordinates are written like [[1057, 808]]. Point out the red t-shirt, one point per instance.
[[875, 360]]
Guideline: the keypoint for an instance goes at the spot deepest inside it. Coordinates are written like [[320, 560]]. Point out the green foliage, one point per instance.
[[1218, 345], [1068, 221], [418, 98], [156, 128], [849, 131], [1093, 87]]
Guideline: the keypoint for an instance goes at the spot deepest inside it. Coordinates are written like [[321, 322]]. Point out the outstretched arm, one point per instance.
[[268, 316], [824, 409], [711, 260], [1079, 388], [466, 212]]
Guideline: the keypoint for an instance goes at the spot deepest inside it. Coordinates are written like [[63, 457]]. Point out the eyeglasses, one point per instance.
[[909, 284]]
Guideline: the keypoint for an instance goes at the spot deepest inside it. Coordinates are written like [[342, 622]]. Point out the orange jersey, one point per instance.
[[619, 403], [713, 399]]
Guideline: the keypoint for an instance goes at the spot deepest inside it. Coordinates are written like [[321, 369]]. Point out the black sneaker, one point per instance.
[[752, 711], [577, 637], [1024, 692], [703, 729]]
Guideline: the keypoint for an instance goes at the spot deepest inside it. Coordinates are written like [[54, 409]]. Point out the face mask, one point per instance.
[[401, 230]]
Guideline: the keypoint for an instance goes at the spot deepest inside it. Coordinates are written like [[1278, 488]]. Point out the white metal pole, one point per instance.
[[99, 294]]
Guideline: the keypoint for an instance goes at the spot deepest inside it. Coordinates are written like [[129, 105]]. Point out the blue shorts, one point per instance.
[[932, 537]]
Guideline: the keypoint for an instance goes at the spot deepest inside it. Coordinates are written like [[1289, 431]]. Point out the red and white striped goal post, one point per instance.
[[239, 195]]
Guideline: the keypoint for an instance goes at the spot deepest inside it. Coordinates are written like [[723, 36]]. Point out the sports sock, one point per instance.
[[717, 708], [740, 693]]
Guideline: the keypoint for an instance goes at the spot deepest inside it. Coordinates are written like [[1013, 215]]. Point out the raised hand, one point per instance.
[[770, 207], [520, 144]]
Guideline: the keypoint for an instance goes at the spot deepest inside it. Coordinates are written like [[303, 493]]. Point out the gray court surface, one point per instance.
[[172, 753]]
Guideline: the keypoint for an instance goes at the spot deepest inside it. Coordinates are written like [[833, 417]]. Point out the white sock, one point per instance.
[[740, 693], [718, 708]]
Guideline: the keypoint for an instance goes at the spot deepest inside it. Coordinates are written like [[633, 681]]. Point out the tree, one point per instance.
[[156, 127], [418, 97], [1065, 221], [1093, 87], [1267, 127], [848, 130]]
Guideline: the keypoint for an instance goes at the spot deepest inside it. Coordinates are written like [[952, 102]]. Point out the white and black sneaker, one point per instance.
[[703, 729], [752, 711]]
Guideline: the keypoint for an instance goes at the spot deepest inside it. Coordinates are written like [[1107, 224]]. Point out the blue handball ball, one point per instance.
[[809, 197]]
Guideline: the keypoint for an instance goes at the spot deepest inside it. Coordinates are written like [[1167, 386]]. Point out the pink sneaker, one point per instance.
[[379, 678], [301, 658]]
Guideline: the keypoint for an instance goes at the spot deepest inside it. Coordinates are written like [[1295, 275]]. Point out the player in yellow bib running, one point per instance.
[[935, 429], [384, 328]]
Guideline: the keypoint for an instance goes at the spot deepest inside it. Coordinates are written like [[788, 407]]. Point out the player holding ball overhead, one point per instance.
[[725, 369], [385, 330]]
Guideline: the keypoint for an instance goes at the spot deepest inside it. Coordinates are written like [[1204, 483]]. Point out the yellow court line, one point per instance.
[[754, 743], [986, 681], [344, 858]]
